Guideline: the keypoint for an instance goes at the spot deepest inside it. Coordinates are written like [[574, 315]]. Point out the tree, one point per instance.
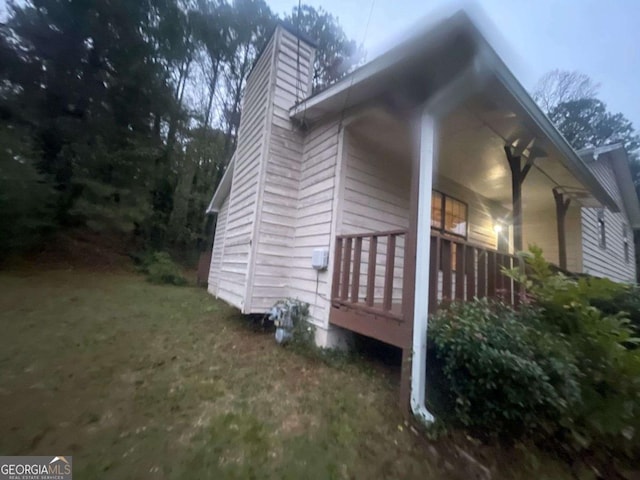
[[559, 86], [122, 115], [569, 99], [90, 76], [586, 123], [336, 54], [251, 23]]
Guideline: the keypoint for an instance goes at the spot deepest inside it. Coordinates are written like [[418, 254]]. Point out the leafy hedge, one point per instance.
[[505, 374], [559, 369]]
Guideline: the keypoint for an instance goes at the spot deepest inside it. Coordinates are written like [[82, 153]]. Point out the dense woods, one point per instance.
[[121, 116]]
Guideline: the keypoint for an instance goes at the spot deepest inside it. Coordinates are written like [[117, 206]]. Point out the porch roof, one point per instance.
[[400, 76]]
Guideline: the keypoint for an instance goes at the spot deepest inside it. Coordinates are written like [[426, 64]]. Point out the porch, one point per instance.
[[368, 293], [496, 186]]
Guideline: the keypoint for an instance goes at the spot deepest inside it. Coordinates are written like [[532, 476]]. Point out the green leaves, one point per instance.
[[161, 269], [337, 54], [586, 122], [505, 375], [591, 319]]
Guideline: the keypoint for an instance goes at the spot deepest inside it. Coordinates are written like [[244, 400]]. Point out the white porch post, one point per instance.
[[428, 155]]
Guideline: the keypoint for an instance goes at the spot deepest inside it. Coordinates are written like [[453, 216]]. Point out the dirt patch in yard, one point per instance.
[[142, 381]]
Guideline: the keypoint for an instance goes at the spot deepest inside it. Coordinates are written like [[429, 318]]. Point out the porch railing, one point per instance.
[[461, 270], [376, 288], [368, 272]]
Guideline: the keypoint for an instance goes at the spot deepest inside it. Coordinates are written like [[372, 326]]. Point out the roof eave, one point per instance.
[[620, 164], [487, 58], [573, 161], [224, 187]]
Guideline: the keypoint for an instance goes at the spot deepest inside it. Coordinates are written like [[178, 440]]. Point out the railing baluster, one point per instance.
[[387, 299], [355, 282], [445, 265], [518, 287], [335, 286], [434, 261], [482, 274], [460, 270], [499, 277], [506, 281], [468, 271], [470, 264], [371, 270], [491, 274], [346, 267]]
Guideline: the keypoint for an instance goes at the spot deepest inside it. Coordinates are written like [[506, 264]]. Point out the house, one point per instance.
[[418, 176]]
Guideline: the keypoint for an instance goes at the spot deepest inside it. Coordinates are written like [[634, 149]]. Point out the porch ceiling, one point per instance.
[[471, 152]]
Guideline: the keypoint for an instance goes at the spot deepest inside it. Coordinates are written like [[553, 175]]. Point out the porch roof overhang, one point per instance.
[[454, 45], [624, 178], [224, 187]]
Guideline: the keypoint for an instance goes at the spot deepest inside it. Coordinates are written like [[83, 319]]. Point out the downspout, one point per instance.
[[428, 149], [470, 80]]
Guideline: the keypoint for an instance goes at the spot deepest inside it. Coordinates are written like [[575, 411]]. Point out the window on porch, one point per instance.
[[448, 215]]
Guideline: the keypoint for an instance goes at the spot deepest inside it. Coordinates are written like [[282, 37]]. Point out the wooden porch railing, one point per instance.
[[354, 288], [459, 270]]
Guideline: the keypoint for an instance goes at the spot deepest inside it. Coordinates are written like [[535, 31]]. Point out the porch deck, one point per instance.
[[368, 295]]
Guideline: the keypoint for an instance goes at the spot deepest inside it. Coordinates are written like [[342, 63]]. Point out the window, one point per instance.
[[601, 229], [448, 215], [625, 240]]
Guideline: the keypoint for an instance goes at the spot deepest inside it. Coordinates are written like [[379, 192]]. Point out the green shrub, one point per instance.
[[559, 369], [625, 299], [503, 374], [608, 414], [160, 269]]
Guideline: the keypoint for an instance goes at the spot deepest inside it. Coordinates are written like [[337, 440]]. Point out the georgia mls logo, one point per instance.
[[36, 468], [62, 465]]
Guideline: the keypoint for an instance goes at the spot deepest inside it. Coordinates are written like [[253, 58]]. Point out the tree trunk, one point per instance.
[[212, 92], [234, 121]]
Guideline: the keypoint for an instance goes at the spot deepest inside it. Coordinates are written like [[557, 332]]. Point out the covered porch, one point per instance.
[[446, 168], [487, 185]]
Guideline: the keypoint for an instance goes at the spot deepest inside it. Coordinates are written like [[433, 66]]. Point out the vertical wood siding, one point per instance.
[[218, 248], [610, 261], [313, 218], [278, 211], [239, 226]]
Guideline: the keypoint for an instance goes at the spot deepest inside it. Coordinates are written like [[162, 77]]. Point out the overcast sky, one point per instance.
[[598, 37]]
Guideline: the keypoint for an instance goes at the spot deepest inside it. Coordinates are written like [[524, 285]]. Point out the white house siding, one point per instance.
[[244, 188], [610, 261], [313, 219], [540, 228], [376, 198], [278, 211], [218, 248]]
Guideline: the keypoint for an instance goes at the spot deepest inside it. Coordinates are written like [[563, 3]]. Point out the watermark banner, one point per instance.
[[36, 468]]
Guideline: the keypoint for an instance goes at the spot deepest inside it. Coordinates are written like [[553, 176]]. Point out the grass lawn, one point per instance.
[[143, 381]]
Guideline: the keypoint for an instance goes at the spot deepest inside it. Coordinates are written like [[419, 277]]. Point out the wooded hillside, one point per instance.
[[121, 116]]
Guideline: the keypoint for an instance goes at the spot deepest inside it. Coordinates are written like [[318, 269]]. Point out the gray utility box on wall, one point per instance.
[[320, 258]]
